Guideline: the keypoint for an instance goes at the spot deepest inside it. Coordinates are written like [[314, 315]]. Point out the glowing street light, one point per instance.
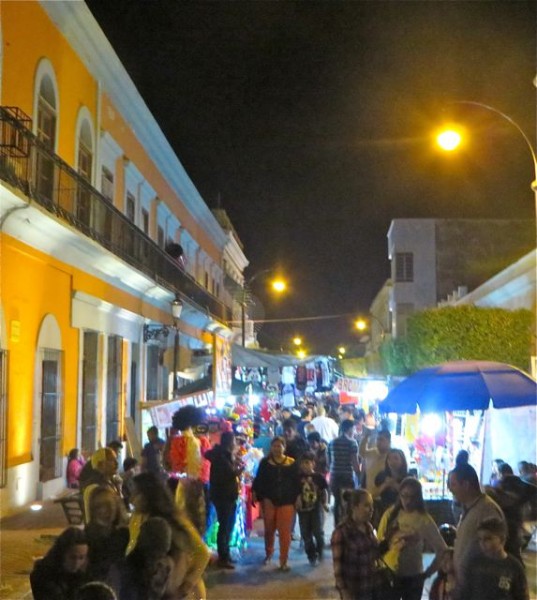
[[342, 350], [363, 324], [449, 140], [297, 341], [278, 285], [301, 353], [360, 324]]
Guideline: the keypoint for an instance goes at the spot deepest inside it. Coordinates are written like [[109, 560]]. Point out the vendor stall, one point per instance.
[[469, 405]]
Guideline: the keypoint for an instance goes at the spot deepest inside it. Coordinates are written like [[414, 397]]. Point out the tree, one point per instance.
[[462, 333]]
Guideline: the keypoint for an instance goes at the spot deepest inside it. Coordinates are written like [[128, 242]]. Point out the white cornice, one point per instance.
[[75, 21]]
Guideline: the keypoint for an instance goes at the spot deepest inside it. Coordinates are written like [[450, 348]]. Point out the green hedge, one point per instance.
[[461, 333]]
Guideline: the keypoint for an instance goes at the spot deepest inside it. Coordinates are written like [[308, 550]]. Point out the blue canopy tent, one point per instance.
[[476, 386], [462, 385]]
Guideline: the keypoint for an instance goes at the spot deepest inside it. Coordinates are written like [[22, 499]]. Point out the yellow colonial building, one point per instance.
[[103, 240]]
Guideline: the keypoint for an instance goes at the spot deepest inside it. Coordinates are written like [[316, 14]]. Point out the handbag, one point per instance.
[[385, 581]]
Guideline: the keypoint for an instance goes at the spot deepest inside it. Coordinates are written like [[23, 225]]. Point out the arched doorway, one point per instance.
[[49, 359]]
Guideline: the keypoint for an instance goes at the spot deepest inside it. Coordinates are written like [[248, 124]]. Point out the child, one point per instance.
[[494, 574], [311, 501], [355, 548], [444, 583]]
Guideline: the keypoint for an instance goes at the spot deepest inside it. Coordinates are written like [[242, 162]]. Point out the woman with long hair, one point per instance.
[[276, 486], [387, 482], [404, 530], [355, 548], [62, 571], [153, 502], [107, 534]]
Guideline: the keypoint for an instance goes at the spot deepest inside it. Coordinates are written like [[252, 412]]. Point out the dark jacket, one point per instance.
[[49, 582], [278, 483], [224, 480], [296, 447], [106, 548]]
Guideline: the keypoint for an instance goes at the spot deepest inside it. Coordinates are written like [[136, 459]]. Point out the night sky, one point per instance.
[[311, 123]]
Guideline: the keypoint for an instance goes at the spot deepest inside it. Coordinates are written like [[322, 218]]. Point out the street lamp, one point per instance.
[[362, 324], [278, 285], [450, 139], [177, 308], [297, 340]]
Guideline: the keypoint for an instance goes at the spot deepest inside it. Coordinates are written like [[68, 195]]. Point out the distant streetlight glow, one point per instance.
[[449, 140], [297, 341], [279, 285], [301, 354], [360, 324], [342, 350]]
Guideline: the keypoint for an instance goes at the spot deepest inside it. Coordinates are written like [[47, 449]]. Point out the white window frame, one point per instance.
[[45, 69]]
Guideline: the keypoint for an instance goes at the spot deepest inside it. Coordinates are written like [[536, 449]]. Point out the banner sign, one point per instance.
[[162, 414]]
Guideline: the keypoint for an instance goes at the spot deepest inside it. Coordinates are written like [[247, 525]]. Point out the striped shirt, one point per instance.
[[340, 453]]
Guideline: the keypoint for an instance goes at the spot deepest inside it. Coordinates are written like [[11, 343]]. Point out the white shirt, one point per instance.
[[326, 427]]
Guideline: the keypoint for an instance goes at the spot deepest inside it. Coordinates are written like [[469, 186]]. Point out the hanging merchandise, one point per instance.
[[322, 376], [273, 375], [288, 396], [301, 378], [288, 375]]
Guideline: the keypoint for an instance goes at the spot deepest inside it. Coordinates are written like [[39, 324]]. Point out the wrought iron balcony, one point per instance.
[[26, 163]]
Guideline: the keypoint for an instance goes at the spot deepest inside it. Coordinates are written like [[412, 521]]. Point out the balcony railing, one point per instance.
[[26, 163]]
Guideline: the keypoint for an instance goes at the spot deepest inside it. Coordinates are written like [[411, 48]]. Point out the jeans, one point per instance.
[[338, 483], [225, 513], [311, 530], [405, 588]]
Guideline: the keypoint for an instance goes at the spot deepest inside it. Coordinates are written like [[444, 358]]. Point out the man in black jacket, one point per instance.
[[224, 491]]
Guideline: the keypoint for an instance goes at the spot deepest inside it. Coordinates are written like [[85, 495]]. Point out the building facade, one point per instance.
[[430, 258], [101, 232]]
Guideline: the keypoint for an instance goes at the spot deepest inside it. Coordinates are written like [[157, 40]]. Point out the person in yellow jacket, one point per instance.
[[188, 552]]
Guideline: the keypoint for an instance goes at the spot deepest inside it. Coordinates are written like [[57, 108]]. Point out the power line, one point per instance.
[[317, 318]]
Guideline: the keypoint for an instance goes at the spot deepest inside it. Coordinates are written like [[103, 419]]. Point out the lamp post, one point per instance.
[[450, 139], [177, 307], [278, 285]]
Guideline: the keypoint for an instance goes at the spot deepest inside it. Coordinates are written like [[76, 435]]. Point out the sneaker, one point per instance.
[[285, 568], [225, 564]]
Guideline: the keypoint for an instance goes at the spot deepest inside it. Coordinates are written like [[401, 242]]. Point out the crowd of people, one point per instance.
[[144, 530]]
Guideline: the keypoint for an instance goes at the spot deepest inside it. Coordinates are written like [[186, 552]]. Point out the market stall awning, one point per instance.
[[462, 385], [250, 358]]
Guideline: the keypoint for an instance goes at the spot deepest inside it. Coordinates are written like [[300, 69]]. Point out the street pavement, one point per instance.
[[28, 535]]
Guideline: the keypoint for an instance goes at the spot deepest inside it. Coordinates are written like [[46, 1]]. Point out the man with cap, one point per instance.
[[86, 475], [104, 469]]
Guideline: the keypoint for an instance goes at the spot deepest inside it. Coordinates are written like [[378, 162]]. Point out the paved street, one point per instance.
[[27, 535]]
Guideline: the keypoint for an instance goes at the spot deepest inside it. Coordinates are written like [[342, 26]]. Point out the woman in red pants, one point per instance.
[[276, 486]]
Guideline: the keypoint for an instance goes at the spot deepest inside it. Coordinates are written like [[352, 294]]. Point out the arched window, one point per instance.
[[46, 113], [45, 126], [84, 145], [85, 151]]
